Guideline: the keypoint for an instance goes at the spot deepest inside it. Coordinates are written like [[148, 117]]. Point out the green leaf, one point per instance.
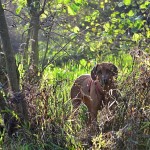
[[18, 10], [95, 14], [138, 24], [76, 29], [145, 5], [75, 7], [114, 14], [20, 3], [101, 4], [127, 2], [113, 20], [83, 62], [87, 18], [136, 37], [106, 26], [66, 1], [78, 1], [59, 1], [71, 11], [130, 13], [148, 34], [63, 1], [87, 37], [122, 15]]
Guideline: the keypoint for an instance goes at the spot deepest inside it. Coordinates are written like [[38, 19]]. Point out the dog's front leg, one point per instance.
[[93, 121], [93, 115]]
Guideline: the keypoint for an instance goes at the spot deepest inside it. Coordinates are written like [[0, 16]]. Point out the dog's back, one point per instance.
[[81, 84]]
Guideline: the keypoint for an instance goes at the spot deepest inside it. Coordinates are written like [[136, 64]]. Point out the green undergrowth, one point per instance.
[[53, 126]]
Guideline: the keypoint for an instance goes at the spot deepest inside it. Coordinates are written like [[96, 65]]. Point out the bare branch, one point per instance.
[[42, 10], [14, 14]]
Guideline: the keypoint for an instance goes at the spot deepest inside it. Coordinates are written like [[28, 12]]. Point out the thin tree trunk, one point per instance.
[[34, 24], [34, 39], [26, 50], [35, 13]]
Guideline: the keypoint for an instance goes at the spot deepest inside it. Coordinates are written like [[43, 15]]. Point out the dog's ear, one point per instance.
[[93, 72], [114, 70]]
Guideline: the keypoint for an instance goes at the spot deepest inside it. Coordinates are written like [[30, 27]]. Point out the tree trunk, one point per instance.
[[34, 30], [34, 39], [12, 70], [10, 60], [26, 51]]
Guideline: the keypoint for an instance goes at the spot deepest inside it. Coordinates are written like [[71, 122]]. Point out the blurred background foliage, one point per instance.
[[81, 29]]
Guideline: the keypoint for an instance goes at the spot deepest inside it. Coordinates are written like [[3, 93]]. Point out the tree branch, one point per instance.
[[43, 8], [14, 14]]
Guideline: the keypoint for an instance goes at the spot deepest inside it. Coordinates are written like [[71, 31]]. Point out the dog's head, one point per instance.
[[104, 72]]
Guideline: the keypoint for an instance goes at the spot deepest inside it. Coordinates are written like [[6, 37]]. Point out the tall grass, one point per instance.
[[53, 125]]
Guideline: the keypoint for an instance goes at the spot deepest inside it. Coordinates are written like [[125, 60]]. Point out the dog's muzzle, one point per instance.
[[104, 81]]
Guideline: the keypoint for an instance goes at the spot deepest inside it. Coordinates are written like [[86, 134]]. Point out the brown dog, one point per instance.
[[93, 90]]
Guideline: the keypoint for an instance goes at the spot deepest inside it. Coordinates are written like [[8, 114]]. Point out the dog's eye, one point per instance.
[[112, 71], [107, 70]]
